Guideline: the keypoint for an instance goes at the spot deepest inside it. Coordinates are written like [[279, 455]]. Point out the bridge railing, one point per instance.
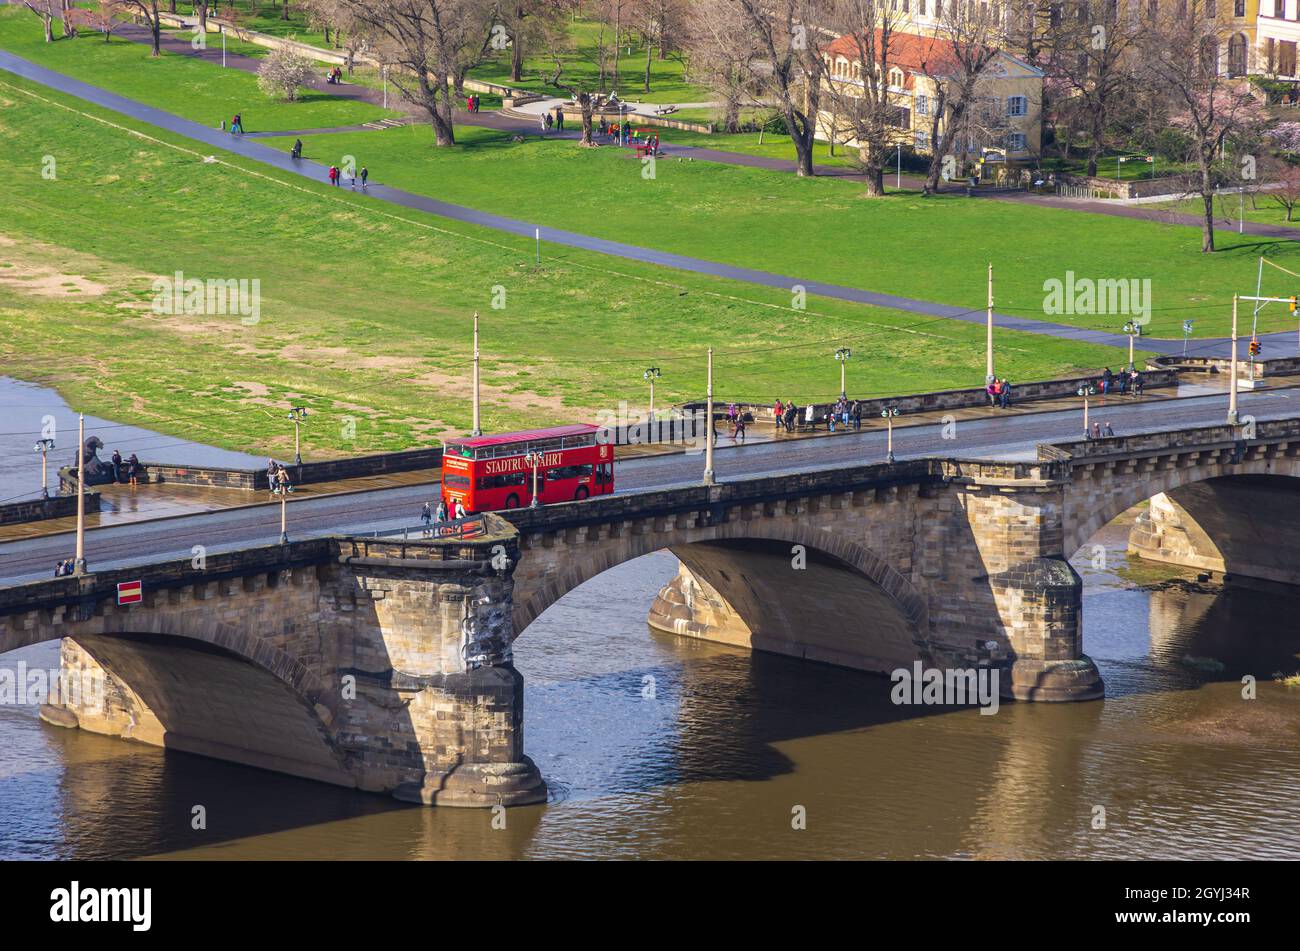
[[1276, 430]]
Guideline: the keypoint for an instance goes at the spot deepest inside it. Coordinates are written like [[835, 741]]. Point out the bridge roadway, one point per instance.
[[393, 509]]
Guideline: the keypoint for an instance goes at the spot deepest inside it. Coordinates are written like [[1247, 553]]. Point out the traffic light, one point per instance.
[[1293, 305], [1254, 348]]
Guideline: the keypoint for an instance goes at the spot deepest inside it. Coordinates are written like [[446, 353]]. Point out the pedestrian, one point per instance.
[[1005, 394], [270, 475], [993, 400], [559, 119], [1106, 379], [334, 175], [544, 120], [440, 514], [1108, 431], [830, 420], [460, 509], [857, 415], [778, 414], [810, 416], [282, 479], [1096, 430], [1137, 382], [58, 569], [117, 467], [133, 470], [365, 177], [296, 152], [1123, 383], [237, 125], [426, 516]]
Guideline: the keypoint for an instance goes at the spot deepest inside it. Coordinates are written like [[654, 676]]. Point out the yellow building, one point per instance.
[[1007, 116]]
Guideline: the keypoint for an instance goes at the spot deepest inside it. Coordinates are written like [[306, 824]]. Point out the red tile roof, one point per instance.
[[908, 51]]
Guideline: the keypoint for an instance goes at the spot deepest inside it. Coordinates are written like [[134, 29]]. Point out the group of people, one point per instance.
[[336, 176], [431, 515], [471, 103], [1098, 431], [65, 568], [277, 478], [335, 76], [999, 392], [843, 412], [552, 119], [1124, 381], [236, 124], [131, 468]]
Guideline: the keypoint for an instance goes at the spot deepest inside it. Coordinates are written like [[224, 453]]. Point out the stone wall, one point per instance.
[[57, 506]]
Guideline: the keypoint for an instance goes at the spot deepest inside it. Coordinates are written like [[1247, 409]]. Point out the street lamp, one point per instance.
[[842, 354], [1133, 329], [1085, 392], [299, 416], [534, 459], [650, 375], [284, 517], [43, 446], [889, 413]]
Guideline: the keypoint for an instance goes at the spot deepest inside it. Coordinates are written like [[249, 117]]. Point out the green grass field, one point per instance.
[[821, 229], [197, 90], [580, 64], [366, 312]]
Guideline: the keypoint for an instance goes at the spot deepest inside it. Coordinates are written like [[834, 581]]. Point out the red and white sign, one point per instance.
[[130, 592]]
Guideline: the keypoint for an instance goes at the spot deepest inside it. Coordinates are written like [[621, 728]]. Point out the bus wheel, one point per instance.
[[582, 493], [512, 501]]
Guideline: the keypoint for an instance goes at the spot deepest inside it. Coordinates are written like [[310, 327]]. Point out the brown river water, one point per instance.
[[714, 764]]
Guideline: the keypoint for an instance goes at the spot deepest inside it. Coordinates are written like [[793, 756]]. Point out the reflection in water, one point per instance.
[[657, 747]]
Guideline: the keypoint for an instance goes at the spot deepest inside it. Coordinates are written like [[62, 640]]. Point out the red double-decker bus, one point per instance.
[[493, 472]]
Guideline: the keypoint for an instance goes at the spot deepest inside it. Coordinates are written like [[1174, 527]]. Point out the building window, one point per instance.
[[1286, 58], [1153, 9], [1015, 142], [922, 105], [1239, 8], [921, 140], [896, 78], [1237, 56], [1017, 105]]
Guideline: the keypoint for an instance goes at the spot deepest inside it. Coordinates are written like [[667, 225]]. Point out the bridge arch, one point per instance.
[[580, 563]]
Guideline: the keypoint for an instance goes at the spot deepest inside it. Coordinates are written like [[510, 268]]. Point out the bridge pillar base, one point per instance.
[[1055, 681], [479, 785]]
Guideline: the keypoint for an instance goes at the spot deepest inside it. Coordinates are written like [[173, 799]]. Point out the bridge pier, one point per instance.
[[378, 664]]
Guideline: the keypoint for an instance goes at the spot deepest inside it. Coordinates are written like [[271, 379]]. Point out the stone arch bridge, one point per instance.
[[384, 663]]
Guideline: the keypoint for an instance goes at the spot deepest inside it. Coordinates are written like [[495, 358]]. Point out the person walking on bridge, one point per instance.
[[365, 177]]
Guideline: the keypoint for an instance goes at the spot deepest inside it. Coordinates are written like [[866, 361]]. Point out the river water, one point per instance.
[[716, 761]]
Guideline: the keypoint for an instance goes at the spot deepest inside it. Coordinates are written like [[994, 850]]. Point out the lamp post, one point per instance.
[[708, 422], [889, 413], [988, 347], [79, 564], [297, 415], [1085, 392], [43, 446], [842, 354], [1133, 329], [284, 517], [1232, 372], [477, 429], [534, 459], [650, 375]]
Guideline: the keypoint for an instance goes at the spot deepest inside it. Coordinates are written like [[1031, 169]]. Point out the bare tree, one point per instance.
[[864, 85], [1178, 65], [1286, 187], [46, 10], [1088, 51], [789, 66], [966, 35], [659, 24], [562, 51], [724, 49], [433, 44], [149, 10]]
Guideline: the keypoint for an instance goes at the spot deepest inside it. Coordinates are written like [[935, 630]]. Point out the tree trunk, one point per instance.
[[48, 20], [875, 181], [1207, 197], [155, 29], [516, 60], [285, 14], [584, 101], [202, 10], [731, 115], [648, 51]]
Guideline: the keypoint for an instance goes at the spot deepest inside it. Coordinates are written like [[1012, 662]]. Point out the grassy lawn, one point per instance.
[[1228, 209], [666, 83], [197, 90], [932, 248], [774, 145], [820, 229], [365, 312]]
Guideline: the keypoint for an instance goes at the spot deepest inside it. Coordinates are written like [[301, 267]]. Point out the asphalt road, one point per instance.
[[393, 509], [275, 158]]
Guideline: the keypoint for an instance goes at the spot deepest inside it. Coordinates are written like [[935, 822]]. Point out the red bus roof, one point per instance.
[[527, 435]]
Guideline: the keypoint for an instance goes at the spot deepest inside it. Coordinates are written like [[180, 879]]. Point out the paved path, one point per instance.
[[305, 168], [393, 509]]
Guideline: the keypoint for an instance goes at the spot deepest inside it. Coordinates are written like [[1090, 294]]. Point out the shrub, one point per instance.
[[282, 72]]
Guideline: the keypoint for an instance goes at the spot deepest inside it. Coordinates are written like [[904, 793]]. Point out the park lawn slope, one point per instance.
[[365, 313], [178, 84]]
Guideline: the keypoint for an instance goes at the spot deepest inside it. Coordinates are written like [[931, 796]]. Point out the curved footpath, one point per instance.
[[316, 172]]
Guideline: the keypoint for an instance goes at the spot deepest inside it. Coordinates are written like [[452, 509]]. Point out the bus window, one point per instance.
[[568, 472], [605, 474], [455, 481]]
